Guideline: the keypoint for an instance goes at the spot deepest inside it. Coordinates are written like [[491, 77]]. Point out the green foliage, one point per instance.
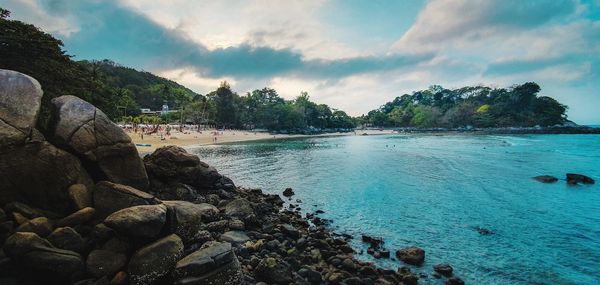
[[477, 106]]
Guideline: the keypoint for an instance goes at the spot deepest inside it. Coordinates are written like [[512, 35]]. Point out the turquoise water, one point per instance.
[[432, 191]]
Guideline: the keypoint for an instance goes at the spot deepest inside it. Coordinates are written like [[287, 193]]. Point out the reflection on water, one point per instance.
[[434, 191]]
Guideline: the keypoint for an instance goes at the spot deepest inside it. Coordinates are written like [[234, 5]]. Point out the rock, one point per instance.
[[104, 263], [155, 260], [204, 260], [455, 281], [39, 174], [59, 262], [186, 219], [228, 274], [80, 217], [80, 195], [20, 101], [411, 255], [236, 225], [110, 197], [235, 237], [138, 221], [273, 271], [483, 231], [290, 231], [87, 131], [239, 208], [119, 279], [313, 276], [546, 179], [116, 245], [573, 179], [41, 226], [443, 269], [172, 164], [20, 243], [288, 192], [67, 238], [176, 191], [25, 210]]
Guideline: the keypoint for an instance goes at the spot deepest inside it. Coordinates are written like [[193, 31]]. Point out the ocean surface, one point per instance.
[[435, 191]]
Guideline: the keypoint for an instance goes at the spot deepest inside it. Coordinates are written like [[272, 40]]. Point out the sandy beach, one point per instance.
[[149, 143]]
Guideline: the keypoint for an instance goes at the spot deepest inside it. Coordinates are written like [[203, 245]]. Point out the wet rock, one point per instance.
[[573, 179], [235, 237], [411, 255], [104, 263], [455, 281], [545, 178], [288, 192], [155, 260], [80, 217], [67, 238], [273, 271], [85, 130], [41, 226], [239, 208], [443, 269], [110, 197], [138, 221], [186, 219]]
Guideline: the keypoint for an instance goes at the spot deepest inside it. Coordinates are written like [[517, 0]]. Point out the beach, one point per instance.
[[189, 138]]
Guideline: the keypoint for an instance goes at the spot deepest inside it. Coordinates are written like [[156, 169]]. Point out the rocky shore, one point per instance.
[[79, 206]]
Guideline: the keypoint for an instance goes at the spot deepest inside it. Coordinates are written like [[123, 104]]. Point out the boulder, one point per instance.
[[67, 238], [172, 164], [186, 219], [138, 221], [59, 262], [155, 260], [228, 274], [20, 101], [411, 255], [21, 243], [41, 226], [443, 269], [80, 217], [546, 178], [104, 263], [239, 208], [235, 237], [204, 260], [175, 191], [39, 174], [85, 130], [273, 271], [455, 281], [110, 197], [80, 195], [573, 178], [288, 192]]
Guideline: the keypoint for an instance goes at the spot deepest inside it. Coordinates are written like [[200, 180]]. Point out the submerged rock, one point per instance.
[[573, 178], [288, 192], [411, 255], [443, 269], [546, 178]]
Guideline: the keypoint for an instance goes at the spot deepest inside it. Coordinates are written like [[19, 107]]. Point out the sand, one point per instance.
[[193, 138]]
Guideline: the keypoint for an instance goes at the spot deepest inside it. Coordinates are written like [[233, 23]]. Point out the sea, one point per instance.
[[437, 192]]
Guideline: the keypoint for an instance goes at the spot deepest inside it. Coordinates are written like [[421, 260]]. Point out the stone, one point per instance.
[[176, 191], [228, 274], [27, 211], [235, 237], [116, 245], [41, 226], [239, 208], [20, 243], [20, 101], [236, 225], [443, 269], [39, 174], [172, 164], [155, 260], [80, 195], [119, 279], [110, 197], [80, 217], [204, 260], [573, 178], [85, 130], [288, 192], [545, 178], [273, 271], [67, 238], [290, 231], [56, 261], [455, 281], [411, 255], [104, 263], [138, 221], [186, 219]]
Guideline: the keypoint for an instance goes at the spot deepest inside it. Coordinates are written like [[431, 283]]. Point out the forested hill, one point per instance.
[[479, 106]]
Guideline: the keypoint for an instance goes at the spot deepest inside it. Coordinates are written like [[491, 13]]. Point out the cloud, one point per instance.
[[43, 16]]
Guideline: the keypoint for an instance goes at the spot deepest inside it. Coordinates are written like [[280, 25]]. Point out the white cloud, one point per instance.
[[31, 11]]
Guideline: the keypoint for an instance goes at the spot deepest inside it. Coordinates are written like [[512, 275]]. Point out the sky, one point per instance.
[[352, 55]]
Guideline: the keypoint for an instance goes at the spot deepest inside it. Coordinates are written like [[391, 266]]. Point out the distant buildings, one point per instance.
[[164, 110]]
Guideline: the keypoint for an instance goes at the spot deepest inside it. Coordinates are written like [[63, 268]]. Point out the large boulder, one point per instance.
[[172, 164], [108, 151], [40, 174], [110, 197], [155, 260], [214, 264], [239, 208], [411, 255], [20, 100], [104, 263], [138, 221], [67, 238], [186, 219]]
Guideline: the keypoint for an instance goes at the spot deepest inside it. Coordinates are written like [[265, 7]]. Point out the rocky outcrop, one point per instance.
[[106, 150]]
